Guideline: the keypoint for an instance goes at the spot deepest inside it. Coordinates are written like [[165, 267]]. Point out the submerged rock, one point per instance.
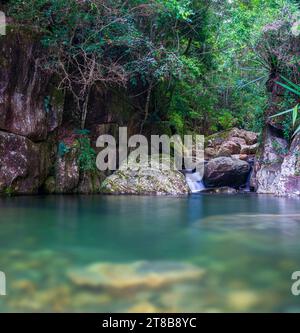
[[242, 300], [220, 190], [140, 274], [146, 179], [226, 171]]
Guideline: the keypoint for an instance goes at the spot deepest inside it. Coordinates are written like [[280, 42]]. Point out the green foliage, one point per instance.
[[47, 104], [226, 120], [295, 89], [9, 191], [279, 149], [62, 149], [194, 66], [87, 155]]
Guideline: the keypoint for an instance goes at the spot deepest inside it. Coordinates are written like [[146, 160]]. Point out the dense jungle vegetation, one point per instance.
[[187, 65]]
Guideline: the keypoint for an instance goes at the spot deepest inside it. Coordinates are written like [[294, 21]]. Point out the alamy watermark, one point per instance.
[[2, 24], [2, 284], [296, 285], [167, 153]]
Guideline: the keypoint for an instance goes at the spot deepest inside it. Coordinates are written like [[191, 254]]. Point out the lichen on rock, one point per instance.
[[146, 179]]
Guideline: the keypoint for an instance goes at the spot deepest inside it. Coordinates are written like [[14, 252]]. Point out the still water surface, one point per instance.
[[213, 253]]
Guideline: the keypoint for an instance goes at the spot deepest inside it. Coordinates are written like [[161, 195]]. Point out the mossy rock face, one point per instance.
[[49, 186], [146, 179], [31, 104], [24, 164]]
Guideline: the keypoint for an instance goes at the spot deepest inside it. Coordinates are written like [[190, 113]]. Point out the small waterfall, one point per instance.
[[247, 187], [194, 181]]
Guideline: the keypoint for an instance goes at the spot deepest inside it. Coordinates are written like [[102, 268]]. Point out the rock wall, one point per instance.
[[277, 170], [31, 114]]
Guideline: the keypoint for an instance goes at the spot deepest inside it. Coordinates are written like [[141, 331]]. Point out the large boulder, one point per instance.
[[226, 171], [23, 164], [30, 105], [146, 179]]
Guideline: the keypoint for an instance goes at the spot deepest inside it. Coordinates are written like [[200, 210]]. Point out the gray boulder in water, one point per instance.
[[226, 171], [146, 179]]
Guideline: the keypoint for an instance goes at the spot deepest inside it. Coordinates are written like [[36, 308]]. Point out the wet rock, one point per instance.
[[141, 274], [226, 171], [23, 165], [145, 180]]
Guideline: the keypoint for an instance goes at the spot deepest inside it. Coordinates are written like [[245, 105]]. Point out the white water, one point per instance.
[[195, 182]]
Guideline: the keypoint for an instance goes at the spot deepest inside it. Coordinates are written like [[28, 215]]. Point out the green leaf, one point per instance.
[[297, 131], [281, 113], [289, 88], [291, 83], [295, 114]]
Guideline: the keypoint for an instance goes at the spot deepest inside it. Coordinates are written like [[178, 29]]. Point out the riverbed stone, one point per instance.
[[140, 274], [226, 171]]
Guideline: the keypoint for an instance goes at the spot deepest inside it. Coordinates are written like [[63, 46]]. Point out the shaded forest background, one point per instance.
[[175, 66]]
